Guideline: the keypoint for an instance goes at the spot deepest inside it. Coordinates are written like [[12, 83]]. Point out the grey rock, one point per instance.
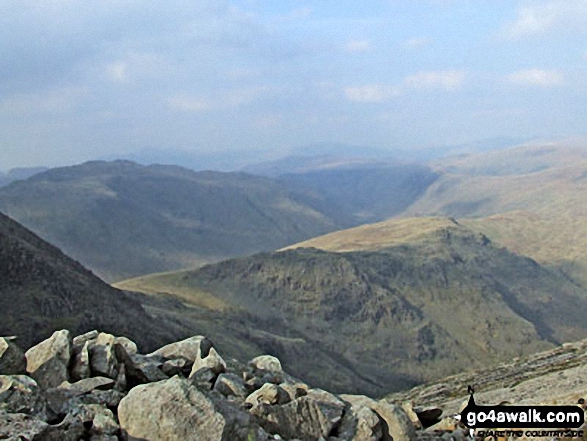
[[397, 425], [87, 385], [174, 409], [309, 417], [12, 358], [230, 385], [103, 360], [212, 361], [129, 346], [174, 367], [295, 390], [268, 394], [360, 424], [18, 426], [48, 361], [80, 340], [80, 364], [21, 394], [266, 363], [189, 349]]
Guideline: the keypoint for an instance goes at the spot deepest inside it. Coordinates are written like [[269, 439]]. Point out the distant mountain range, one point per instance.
[[122, 219], [20, 173]]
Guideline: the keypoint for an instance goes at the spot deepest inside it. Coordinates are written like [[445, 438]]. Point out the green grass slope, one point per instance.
[[121, 219]]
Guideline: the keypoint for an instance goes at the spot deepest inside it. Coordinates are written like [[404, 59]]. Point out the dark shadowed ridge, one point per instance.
[[42, 290]]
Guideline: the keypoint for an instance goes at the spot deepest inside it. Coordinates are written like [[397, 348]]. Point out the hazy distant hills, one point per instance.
[[42, 290], [531, 199], [122, 219], [363, 193], [19, 173], [420, 302]]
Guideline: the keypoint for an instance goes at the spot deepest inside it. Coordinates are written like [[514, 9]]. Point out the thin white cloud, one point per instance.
[[417, 42], [373, 93], [538, 17], [227, 100], [188, 103], [446, 80], [536, 77], [354, 46], [117, 72]]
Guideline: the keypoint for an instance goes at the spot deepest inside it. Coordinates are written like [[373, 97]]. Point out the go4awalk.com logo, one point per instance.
[[534, 421]]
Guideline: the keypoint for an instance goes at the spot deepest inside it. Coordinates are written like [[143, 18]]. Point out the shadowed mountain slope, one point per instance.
[[121, 219], [42, 290]]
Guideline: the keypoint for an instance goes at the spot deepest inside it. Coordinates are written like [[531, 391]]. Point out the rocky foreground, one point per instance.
[[98, 387]]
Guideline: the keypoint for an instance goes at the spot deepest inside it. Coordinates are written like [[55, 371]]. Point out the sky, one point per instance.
[[81, 80]]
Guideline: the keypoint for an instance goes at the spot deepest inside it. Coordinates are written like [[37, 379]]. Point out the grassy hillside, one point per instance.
[[549, 180], [122, 219], [425, 299], [530, 199]]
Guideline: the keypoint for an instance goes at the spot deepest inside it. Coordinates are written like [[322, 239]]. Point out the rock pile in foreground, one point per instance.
[[98, 387]]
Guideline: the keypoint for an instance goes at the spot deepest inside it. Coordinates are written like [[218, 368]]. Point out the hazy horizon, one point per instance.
[[106, 79]]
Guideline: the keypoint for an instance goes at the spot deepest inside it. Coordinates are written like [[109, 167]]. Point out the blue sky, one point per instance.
[[83, 80]]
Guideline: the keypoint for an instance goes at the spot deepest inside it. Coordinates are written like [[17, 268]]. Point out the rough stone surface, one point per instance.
[[212, 361], [12, 358], [230, 385], [80, 364], [360, 424], [309, 417], [48, 361], [20, 394], [176, 410], [18, 426], [268, 394], [103, 360], [189, 349], [87, 385], [266, 363], [397, 422]]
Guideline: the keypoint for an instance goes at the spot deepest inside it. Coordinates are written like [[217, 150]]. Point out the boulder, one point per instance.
[[189, 349], [12, 359], [48, 361], [295, 390], [174, 409], [360, 424], [430, 415], [21, 394], [81, 340], [139, 369], [397, 423], [80, 364], [266, 363], [87, 385], [230, 385], [268, 394], [212, 361], [129, 346], [19, 426], [412, 415], [309, 417], [103, 360]]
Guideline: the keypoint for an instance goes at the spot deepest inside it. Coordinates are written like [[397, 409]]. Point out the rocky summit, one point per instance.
[[96, 386]]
